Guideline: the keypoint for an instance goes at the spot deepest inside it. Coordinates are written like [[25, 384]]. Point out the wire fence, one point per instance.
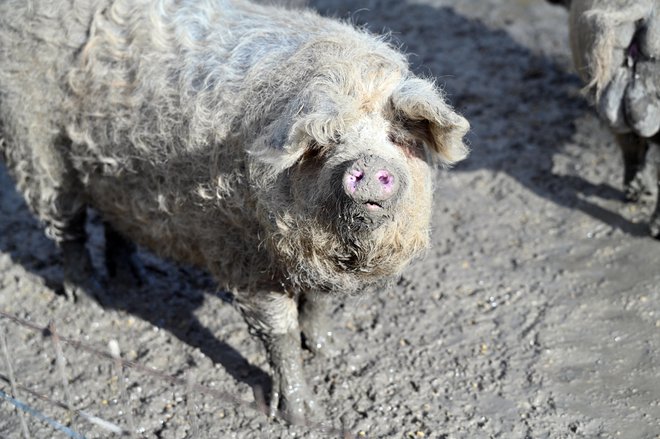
[[77, 420]]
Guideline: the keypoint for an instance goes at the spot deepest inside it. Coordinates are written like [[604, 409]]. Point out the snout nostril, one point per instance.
[[371, 183], [352, 178], [386, 179]]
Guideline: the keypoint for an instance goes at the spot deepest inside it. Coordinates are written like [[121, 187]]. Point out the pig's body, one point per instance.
[[288, 154]]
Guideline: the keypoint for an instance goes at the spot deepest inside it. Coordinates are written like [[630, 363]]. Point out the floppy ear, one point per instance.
[[307, 118], [418, 100], [280, 142]]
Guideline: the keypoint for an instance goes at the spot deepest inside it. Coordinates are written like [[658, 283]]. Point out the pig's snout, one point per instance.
[[371, 182]]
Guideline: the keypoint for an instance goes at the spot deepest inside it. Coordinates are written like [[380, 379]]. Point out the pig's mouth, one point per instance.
[[362, 218], [373, 206]]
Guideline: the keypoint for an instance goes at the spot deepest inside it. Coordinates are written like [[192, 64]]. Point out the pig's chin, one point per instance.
[[345, 247], [345, 253], [360, 220], [359, 223]]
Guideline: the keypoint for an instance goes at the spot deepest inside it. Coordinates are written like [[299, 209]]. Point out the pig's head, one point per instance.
[[350, 159]]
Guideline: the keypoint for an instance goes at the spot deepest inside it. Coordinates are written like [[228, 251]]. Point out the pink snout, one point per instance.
[[370, 181]]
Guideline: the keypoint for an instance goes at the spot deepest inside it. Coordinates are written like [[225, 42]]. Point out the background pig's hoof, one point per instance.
[[654, 227], [322, 341]]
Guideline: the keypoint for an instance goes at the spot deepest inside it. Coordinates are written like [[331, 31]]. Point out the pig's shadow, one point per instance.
[[168, 299], [521, 105]]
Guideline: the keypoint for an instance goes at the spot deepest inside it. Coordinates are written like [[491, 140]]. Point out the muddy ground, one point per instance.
[[536, 313]]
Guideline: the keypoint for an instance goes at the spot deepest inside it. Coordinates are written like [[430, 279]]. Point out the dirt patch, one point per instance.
[[535, 314]]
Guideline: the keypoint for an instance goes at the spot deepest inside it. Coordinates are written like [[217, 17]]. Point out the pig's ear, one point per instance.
[[309, 119], [282, 142], [417, 100]]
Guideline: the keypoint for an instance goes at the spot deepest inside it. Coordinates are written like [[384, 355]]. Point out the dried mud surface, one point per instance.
[[536, 313]]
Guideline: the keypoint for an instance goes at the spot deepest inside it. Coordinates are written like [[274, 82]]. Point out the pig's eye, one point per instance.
[[410, 146], [315, 152], [397, 139]]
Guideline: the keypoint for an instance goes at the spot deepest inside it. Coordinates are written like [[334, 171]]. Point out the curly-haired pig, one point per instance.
[[288, 154]]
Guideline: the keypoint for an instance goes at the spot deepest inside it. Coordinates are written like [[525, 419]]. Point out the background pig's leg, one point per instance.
[[634, 150], [274, 318], [654, 224], [318, 332], [121, 259]]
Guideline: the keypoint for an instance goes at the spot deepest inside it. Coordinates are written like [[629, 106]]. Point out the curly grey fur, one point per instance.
[[209, 131], [601, 31]]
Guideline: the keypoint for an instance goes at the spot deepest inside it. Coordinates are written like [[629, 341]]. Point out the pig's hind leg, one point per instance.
[[654, 223], [38, 157], [121, 259], [52, 188], [65, 224]]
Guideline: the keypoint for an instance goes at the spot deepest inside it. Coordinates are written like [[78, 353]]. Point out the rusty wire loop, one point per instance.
[[120, 364]]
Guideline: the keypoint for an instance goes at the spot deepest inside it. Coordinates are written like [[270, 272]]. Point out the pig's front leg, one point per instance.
[[319, 335], [290, 395], [273, 317]]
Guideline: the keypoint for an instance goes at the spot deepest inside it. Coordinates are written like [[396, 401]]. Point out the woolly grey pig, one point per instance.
[[616, 50], [288, 154]]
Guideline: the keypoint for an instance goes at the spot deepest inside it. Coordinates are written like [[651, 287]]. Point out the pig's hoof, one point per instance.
[[85, 291], [654, 227], [322, 341], [635, 189], [295, 405], [81, 283]]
